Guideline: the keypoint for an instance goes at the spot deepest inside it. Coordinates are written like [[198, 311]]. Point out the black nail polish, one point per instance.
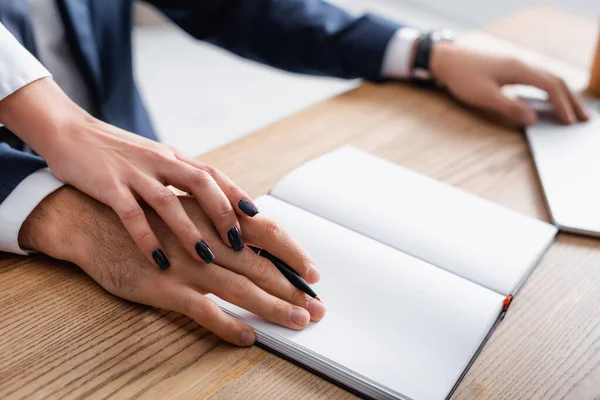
[[204, 252], [235, 238], [248, 208], [160, 259]]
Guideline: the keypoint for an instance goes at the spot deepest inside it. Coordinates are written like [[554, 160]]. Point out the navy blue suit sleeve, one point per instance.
[[306, 36], [15, 166]]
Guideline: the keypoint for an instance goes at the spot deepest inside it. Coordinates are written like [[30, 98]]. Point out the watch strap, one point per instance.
[[423, 52]]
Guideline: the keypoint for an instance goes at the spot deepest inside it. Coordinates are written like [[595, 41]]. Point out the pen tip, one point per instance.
[[317, 298]]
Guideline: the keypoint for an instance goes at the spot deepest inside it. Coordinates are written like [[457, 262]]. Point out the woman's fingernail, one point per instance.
[[204, 251], [160, 259], [247, 338], [235, 238], [299, 316], [248, 208], [316, 308]]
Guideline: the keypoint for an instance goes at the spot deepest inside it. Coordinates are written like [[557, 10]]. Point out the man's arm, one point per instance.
[[306, 36], [314, 37], [24, 182], [24, 178]]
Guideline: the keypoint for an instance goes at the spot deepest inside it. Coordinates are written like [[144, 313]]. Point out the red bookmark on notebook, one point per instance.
[[507, 301]]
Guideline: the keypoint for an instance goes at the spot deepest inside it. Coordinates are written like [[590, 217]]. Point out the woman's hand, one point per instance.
[[120, 169], [476, 79], [72, 226]]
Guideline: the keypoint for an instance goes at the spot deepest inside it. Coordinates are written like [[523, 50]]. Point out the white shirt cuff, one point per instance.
[[15, 209], [18, 67], [397, 60]]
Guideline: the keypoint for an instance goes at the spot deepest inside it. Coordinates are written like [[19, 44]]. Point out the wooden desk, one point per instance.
[[63, 336]]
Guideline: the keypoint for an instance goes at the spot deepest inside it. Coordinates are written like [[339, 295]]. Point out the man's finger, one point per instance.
[[558, 93], [241, 291], [266, 276], [580, 110], [269, 235], [208, 314], [490, 97]]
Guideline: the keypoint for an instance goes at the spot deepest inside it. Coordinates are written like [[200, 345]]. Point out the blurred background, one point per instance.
[[233, 97]]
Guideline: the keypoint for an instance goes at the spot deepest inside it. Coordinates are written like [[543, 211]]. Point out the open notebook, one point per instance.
[[414, 273]]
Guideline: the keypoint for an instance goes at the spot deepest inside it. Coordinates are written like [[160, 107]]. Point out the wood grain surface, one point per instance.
[[62, 336]]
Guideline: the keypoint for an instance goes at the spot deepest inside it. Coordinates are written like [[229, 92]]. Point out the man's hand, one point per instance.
[[71, 226], [476, 79]]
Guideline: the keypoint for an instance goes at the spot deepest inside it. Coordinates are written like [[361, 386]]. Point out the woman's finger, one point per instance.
[[208, 314], [169, 208], [210, 197], [269, 235], [134, 219], [239, 199], [241, 291]]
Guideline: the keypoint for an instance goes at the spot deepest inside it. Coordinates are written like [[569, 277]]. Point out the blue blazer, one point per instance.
[[305, 36]]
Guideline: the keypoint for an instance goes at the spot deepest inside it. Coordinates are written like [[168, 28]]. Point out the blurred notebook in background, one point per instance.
[[415, 274]]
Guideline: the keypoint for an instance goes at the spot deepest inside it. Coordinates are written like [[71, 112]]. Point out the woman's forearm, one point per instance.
[[42, 115]]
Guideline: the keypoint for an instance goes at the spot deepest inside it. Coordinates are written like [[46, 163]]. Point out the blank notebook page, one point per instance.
[[464, 234], [391, 319]]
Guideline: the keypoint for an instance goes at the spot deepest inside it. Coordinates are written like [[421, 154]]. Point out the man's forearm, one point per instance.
[[53, 227], [306, 36]]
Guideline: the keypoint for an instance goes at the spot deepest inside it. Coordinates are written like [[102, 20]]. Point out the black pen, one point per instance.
[[287, 271]]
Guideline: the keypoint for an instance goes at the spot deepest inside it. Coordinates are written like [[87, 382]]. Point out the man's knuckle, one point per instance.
[[153, 154], [210, 313], [273, 231], [556, 80], [513, 64], [264, 272], [557, 83], [186, 304], [278, 307], [515, 109], [300, 298], [240, 287]]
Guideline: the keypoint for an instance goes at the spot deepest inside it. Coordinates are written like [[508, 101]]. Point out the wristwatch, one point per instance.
[[422, 56]]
